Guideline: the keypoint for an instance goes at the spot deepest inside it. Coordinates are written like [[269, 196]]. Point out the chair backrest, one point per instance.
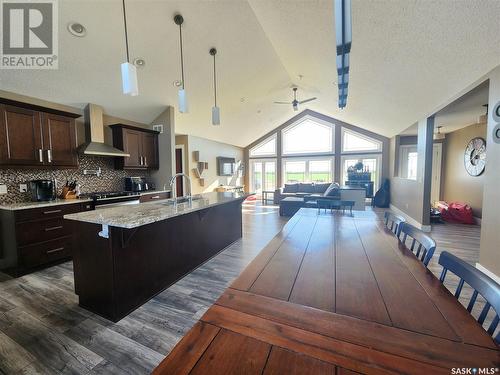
[[393, 222], [422, 245], [481, 283]]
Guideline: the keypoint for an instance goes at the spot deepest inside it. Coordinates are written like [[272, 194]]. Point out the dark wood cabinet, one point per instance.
[[141, 144], [33, 138], [154, 196], [20, 136], [59, 140], [37, 237]]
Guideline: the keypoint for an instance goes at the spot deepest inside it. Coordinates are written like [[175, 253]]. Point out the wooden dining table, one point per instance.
[[333, 294]]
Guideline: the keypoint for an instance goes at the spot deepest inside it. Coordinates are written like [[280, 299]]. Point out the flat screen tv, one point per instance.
[[225, 166]]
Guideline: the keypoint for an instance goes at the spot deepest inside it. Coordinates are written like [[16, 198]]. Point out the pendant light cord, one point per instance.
[[215, 83], [182, 56], [126, 34]]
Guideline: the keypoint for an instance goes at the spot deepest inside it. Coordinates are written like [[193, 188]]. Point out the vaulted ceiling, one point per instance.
[[407, 58]]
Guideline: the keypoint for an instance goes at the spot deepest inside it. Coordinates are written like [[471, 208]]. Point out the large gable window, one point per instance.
[[309, 136], [265, 148], [355, 142]]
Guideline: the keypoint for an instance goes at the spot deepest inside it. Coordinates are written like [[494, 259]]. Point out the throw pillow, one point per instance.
[[332, 190], [321, 188]]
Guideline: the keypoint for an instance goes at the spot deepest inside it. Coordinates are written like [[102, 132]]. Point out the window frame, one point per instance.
[[377, 156], [313, 153], [360, 135], [408, 149], [307, 159], [273, 137]]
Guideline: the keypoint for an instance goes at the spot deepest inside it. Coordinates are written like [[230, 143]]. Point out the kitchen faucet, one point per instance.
[[173, 186]]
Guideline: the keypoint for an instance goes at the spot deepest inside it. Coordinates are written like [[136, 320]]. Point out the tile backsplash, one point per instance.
[[110, 179]]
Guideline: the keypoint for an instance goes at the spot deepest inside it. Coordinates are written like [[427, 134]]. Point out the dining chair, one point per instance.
[[393, 222], [422, 245], [480, 282]]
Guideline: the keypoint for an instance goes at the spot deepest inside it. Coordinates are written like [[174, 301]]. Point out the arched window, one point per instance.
[[309, 136], [265, 149]]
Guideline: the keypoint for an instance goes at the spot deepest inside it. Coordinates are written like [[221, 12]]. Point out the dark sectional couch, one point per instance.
[[310, 190]]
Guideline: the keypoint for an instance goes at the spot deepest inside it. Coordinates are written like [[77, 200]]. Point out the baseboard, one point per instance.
[[488, 272], [410, 220]]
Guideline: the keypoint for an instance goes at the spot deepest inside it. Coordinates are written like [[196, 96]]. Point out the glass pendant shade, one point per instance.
[[183, 105], [129, 79], [215, 116]]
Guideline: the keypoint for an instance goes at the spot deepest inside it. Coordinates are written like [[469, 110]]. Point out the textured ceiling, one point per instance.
[[408, 57]]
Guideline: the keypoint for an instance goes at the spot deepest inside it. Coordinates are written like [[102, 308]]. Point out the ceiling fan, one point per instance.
[[295, 103]]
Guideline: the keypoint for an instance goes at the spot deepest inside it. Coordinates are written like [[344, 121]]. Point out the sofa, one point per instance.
[[310, 190]]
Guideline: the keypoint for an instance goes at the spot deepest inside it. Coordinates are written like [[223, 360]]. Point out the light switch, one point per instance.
[[23, 188], [3, 189]]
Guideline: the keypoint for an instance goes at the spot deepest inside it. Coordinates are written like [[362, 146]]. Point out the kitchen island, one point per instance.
[[124, 256]]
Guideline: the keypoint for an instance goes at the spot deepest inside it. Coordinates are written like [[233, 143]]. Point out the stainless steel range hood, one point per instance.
[[94, 134]]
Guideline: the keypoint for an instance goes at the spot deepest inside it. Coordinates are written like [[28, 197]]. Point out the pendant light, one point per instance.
[[129, 71], [215, 109], [343, 33], [183, 106]]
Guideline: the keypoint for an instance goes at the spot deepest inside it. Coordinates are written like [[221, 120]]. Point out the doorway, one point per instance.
[[179, 168]]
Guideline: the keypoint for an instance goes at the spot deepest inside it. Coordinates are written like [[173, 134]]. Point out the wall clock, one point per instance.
[[475, 156]]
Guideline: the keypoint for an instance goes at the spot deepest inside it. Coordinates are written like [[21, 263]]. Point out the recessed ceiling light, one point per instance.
[[177, 83], [139, 62], [77, 29], [242, 100]]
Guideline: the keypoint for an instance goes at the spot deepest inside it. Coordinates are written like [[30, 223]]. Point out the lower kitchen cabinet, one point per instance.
[[36, 238]]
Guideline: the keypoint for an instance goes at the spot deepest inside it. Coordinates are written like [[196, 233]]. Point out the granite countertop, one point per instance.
[[133, 216], [29, 205]]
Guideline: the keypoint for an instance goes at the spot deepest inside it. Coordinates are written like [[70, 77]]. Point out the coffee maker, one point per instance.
[[42, 190]]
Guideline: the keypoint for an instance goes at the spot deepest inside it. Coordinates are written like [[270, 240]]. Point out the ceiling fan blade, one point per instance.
[[307, 100], [283, 103]]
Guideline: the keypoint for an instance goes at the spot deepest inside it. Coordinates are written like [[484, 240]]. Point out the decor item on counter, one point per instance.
[[70, 190], [183, 106], [343, 32], [129, 71], [215, 109], [475, 156], [201, 167]]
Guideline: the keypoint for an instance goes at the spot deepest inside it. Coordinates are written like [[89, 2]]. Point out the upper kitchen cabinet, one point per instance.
[[59, 139], [34, 136], [140, 143], [20, 136]]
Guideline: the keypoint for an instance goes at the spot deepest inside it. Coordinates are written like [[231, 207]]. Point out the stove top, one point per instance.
[[109, 194]]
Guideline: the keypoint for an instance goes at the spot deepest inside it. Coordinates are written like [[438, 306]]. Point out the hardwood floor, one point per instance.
[[43, 330]]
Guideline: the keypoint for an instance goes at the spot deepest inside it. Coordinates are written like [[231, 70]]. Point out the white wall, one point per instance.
[[209, 151], [166, 144]]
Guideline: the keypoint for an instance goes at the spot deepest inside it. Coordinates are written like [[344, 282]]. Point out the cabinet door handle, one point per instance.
[[145, 161], [51, 212], [156, 197], [53, 228], [49, 156], [140, 160], [55, 250], [40, 155]]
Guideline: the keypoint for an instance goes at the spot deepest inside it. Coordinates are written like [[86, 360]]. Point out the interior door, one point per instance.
[[59, 140], [20, 136], [150, 150], [132, 144]]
